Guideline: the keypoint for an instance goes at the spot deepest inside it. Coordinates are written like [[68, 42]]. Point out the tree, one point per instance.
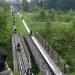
[[56, 4], [25, 5], [42, 15], [4, 9]]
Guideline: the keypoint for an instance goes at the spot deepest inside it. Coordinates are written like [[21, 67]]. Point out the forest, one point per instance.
[[56, 4]]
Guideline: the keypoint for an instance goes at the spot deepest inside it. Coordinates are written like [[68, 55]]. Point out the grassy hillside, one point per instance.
[[58, 30]]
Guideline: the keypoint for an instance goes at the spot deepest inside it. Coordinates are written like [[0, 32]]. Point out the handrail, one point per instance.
[[52, 53]]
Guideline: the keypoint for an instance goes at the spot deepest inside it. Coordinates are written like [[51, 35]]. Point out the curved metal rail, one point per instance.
[[50, 62], [51, 52]]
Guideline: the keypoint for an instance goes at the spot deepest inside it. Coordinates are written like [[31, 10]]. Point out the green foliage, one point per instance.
[[56, 4], [5, 32], [2, 22], [42, 15], [5, 42], [25, 5], [19, 25], [73, 73], [73, 23], [16, 72], [4, 11], [42, 73]]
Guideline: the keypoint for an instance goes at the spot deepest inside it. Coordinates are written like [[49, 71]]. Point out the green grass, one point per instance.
[[41, 73], [73, 73], [34, 26], [16, 72], [20, 27]]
